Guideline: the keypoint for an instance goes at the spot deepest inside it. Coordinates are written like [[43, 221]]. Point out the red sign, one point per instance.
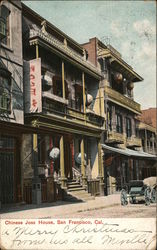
[[35, 86]]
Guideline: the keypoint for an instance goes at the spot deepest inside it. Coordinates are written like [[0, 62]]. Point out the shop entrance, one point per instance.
[[7, 169]]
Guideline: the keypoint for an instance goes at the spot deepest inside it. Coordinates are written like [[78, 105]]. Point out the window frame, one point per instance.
[[5, 15], [128, 127], [7, 94], [119, 123]]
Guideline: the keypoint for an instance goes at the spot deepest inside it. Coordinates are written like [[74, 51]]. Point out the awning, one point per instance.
[[129, 152]]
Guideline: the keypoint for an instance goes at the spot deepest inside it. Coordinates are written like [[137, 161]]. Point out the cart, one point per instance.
[[134, 192]]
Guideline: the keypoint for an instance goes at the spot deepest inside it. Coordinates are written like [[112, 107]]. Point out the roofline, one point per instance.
[[51, 26], [118, 58]]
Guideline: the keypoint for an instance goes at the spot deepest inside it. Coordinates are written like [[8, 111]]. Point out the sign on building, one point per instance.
[[32, 85]]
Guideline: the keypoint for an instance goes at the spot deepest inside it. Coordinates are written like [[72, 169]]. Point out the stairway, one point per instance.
[[76, 192]]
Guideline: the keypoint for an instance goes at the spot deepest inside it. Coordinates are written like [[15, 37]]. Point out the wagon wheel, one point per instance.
[[124, 200], [154, 195], [147, 195]]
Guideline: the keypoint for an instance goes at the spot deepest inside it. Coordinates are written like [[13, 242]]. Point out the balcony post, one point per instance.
[[83, 172], [37, 50], [63, 80], [100, 168], [84, 93], [113, 119], [145, 140], [62, 166], [153, 140], [36, 182]]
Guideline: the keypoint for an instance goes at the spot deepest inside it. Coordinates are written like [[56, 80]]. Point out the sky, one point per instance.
[[129, 26]]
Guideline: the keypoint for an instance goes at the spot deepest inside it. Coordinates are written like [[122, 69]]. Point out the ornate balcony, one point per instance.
[[133, 142], [122, 100], [49, 39], [55, 105], [114, 137]]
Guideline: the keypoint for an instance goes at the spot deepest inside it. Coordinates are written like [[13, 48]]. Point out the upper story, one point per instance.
[[117, 82], [147, 130], [59, 80], [118, 76], [11, 62]]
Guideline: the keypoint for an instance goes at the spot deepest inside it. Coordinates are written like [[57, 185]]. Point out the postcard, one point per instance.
[[78, 134]]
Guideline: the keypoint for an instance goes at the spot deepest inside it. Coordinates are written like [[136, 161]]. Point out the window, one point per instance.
[[58, 88], [109, 118], [119, 123], [4, 24], [5, 93], [78, 97], [128, 127]]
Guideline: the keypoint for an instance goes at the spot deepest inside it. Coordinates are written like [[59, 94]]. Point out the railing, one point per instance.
[[93, 187], [62, 107], [114, 136], [94, 118], [54, 106], [123, 100], [77, 174], [65, 49], [134, 141]]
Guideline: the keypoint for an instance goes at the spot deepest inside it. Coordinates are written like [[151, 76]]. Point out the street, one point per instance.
[[129, 211]]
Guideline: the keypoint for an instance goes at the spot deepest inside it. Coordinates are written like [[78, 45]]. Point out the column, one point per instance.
[[153, 140], [83, 170], [36, 183], [84, 93], [100, 168], [62, 167], [145, 137], [37, 50], [113, 119], [63, 81]]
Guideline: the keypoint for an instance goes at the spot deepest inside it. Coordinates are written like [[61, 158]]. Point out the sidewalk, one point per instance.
[[60, 208]]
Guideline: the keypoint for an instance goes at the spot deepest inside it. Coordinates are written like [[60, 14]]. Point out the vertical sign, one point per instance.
[[35, 86]]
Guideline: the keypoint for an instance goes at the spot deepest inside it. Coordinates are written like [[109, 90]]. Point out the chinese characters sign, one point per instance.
[[35, 86]]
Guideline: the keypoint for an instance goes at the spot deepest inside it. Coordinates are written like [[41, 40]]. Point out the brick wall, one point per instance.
[[91, 48]]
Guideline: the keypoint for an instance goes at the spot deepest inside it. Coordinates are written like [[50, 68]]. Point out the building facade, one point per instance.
[[11, 100], [147, 131], [54, 100], [122, 143], [67, 112]]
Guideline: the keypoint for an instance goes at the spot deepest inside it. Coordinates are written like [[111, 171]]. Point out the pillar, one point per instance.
[[62, 166], [83, 170], [100, 168], [36, 183], [145, 142], [37, 50], [63, 81], [84, 93], [113, 119]]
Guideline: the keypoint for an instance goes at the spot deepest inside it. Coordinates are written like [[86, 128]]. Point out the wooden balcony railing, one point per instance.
[[115, 137], [65, 49], [61, 107], [133, 141], [122, 100]]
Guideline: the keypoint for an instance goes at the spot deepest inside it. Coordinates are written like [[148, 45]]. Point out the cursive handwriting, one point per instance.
[[102, 236]]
